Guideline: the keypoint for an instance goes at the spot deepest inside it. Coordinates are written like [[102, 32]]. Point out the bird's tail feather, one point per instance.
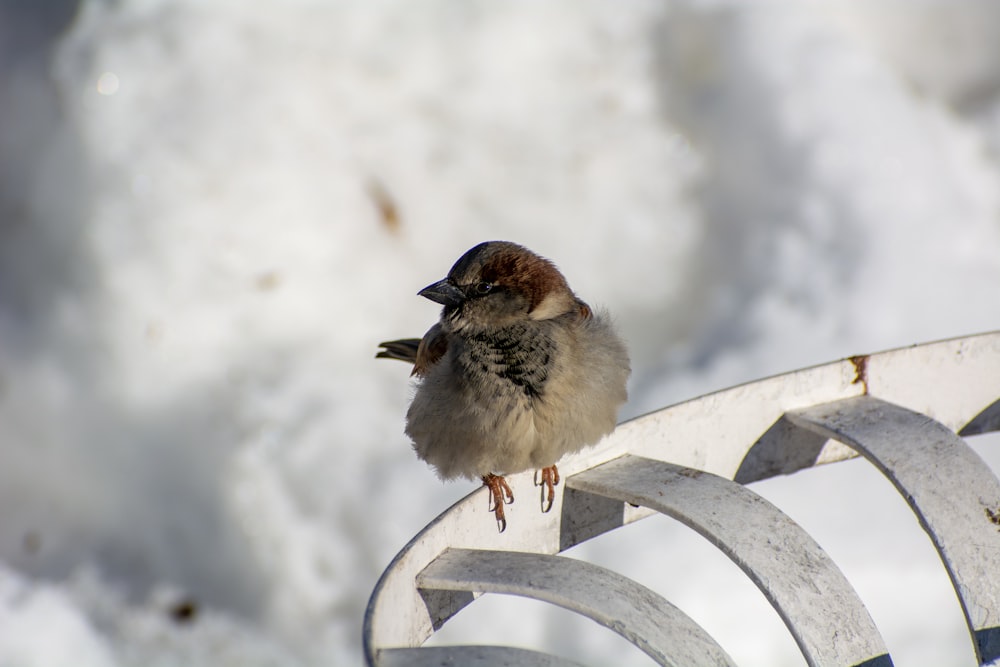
[[404, 349]]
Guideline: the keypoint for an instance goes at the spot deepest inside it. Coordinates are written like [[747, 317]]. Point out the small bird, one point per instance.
[[517, 372]]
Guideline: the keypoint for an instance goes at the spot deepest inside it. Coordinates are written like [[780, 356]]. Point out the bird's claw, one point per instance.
[[500, 494], [550, 479]]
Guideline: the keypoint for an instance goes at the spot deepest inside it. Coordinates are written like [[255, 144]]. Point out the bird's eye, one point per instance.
[[483, 287]]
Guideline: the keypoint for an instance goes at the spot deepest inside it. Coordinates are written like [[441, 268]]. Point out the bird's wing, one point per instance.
[[422, 353], [432, 347]]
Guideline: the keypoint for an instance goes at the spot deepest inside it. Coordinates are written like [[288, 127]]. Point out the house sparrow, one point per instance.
[[516, 373]]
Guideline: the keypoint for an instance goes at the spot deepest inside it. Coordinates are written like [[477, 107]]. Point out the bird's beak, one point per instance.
[[443, 292]]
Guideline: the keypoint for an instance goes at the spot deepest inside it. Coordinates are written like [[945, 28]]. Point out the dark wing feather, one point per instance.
[[422, 353], [404, 349]]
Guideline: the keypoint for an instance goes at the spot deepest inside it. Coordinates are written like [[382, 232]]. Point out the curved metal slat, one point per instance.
[[952, 491], [986, 421], [792, 571], [636, 613], [468, 656]]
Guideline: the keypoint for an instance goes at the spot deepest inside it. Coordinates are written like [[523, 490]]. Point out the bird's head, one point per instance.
[[498, 283]]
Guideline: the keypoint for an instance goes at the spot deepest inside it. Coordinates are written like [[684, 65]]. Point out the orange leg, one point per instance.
[[550, 479], [500, 494]]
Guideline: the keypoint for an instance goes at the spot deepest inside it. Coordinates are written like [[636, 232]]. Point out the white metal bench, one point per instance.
[[902, 410]]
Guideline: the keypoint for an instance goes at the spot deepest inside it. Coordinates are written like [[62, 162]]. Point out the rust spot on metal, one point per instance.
[[860, 370], [993, 516]]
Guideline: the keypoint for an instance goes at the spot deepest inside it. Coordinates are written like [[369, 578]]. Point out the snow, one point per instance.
[[198, 256]]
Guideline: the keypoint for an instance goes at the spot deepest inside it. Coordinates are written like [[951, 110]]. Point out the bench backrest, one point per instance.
[[903, 410]]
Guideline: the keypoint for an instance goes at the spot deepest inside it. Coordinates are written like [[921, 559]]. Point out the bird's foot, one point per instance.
[[500, 494], [550, 479]]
